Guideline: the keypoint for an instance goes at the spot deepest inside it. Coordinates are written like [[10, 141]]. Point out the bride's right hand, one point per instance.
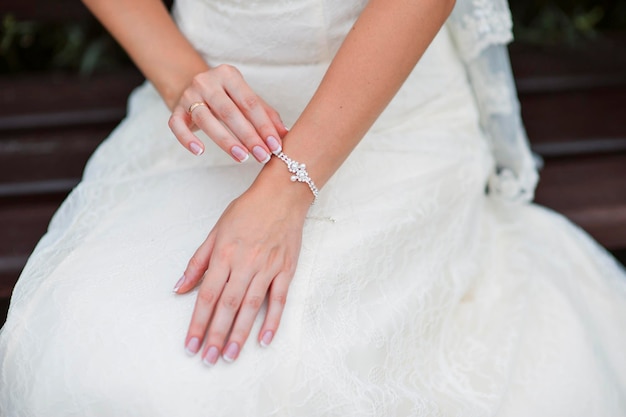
[[224, 107], [242, 262]]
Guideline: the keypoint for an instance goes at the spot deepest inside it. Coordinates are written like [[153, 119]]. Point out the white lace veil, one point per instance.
[[481, 29]]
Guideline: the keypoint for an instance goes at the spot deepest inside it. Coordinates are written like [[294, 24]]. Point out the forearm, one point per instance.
[[375, 59], [147, 32]]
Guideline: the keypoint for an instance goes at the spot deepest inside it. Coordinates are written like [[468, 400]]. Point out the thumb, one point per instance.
[[196, 267]]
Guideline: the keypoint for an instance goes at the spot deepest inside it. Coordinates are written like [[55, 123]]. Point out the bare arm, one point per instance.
[[255, 244], [375, 59], [147, 32]]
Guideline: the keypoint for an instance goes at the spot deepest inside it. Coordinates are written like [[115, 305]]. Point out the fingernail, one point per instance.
[[211, 356], [260, 154], [231, 352], [192, 346], [179, 284], [267, 338], [273, 144], [239, 153], [196, 149]]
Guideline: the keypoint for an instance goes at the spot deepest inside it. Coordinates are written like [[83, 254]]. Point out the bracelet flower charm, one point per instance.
[[299, 172]]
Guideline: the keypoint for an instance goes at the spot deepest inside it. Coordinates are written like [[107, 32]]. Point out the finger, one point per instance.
[[252, 106], [196, 267], [228, 112], [277, 121], [275, 308], [208, 295], [205, 120], [256, 111], [248, 311], [222, 321], [179, 124]]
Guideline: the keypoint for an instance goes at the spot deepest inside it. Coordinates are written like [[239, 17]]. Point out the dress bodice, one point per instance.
[[276, 32]]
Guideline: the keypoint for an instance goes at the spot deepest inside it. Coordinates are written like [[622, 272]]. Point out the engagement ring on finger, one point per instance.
[[196, 105]]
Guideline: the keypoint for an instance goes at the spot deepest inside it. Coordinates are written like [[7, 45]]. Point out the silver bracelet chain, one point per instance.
[[299, 172]]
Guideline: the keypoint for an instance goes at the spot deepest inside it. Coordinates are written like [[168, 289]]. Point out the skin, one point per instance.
[[245, 259]]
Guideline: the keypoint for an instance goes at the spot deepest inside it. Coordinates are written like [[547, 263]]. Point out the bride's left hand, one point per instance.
[[251, 253]]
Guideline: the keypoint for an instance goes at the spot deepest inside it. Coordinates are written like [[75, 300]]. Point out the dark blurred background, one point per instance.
[[71, 41], [64, 84]]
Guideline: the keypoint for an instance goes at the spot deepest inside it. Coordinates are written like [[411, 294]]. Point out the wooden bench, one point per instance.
[[49, 125], [573, 105], [574, 109]]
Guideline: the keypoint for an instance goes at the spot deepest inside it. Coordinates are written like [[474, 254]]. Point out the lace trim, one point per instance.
[[481, 29], [484, 26], [478, 24]]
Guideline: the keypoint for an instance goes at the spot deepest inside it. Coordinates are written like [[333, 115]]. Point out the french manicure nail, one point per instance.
[[267, 338], [192, 346], [211, 356], [239, 153], [231, 352], [273, 144], [260, 154], [179, 284], [196, 149]]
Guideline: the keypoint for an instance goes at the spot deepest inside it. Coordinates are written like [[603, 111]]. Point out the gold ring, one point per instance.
[[196, 105]]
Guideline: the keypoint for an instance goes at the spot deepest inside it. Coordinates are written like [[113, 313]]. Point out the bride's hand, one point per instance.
[[220, 103], [242, 261]]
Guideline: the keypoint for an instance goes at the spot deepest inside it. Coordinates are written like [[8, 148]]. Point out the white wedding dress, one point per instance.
[[416, 294]]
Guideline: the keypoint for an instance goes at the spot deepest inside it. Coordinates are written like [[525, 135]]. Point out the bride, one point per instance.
[[352, 266]]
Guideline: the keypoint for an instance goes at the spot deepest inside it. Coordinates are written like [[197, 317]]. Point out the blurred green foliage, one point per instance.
[[566, 21], [85, 47], [81, 47]]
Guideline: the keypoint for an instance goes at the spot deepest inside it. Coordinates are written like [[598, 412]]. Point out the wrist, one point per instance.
[[299, 173], [172, 87], [274, 181]]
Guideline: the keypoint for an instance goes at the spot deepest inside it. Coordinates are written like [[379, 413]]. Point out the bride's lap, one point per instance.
[[108, 306], [108, 301]]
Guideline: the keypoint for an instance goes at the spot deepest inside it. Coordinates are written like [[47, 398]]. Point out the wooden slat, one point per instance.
[[573, 94], [564, 83], [52, 119], [604, 56], [23, 222], [49, 100], [580, 147], [591, 191], [45, 187], [577, 115], [56, 153], [12, 263]]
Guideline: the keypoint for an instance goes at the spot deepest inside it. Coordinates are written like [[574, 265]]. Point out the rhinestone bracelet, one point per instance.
[[299, 172]]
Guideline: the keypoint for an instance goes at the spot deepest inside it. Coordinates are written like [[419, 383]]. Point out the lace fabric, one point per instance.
[[481, 29]]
